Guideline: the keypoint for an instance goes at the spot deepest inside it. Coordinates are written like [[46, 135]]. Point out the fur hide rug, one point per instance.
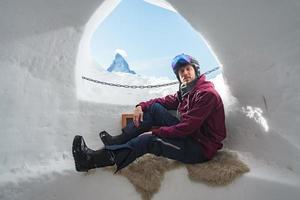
[[147, 172]]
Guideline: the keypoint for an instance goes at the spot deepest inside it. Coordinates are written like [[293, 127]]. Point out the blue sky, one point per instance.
[[151, 36]]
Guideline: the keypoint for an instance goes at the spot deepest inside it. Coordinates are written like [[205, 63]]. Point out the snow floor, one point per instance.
[[57, 179]]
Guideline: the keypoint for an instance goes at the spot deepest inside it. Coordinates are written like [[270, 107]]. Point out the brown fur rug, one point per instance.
[[147, 172]]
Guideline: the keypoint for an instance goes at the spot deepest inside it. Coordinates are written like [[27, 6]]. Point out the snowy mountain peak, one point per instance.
[[119, 64]]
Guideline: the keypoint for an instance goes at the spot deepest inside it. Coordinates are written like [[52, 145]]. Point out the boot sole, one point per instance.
[[76, 147]]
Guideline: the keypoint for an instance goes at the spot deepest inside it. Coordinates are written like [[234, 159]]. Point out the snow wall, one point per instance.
[[42, 47]]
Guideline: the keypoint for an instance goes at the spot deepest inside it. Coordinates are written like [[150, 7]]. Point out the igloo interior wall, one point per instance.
[[256, 41]]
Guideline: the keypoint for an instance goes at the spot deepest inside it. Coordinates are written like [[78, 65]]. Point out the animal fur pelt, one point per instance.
[[147, 172]]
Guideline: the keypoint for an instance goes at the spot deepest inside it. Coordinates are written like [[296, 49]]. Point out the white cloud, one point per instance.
[[121, 52]]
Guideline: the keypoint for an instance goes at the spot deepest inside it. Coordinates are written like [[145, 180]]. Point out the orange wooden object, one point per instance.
[[128, 117]]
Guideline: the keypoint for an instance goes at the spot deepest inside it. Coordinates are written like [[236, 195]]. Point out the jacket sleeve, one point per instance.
[[193, 119], [170, 102]]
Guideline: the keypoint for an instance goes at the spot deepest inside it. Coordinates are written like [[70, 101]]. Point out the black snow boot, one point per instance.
[[128, 132], [86, 158], [108, 139]]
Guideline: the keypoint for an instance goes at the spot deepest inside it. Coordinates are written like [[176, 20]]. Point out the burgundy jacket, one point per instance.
[[201, 116]]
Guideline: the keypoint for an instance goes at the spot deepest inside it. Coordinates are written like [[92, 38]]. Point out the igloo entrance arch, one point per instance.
[[138, 52]]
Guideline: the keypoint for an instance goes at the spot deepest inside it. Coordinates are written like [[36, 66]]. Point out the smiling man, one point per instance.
[[194, 136]]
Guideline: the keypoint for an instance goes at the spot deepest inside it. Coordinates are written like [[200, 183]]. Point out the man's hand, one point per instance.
[[138, 116]]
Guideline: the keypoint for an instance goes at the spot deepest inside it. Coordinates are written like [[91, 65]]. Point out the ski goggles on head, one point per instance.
[[180, 60]]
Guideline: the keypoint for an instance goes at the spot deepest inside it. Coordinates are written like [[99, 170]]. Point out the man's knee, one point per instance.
[[156, 107]]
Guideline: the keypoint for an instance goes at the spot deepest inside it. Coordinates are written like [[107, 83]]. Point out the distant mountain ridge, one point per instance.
[[119, 64]]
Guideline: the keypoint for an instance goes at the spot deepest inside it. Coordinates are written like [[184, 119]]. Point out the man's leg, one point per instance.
[[86, 158], [120, 154], [156, 115], [185, 150]]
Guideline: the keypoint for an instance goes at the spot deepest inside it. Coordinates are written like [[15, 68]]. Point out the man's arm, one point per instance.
[[193, 119], [170, 102]]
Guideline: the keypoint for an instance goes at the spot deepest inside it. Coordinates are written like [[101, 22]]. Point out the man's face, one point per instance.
[[186, 74]]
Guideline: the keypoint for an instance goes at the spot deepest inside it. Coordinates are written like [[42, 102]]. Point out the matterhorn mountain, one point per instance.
[[120, 65]]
